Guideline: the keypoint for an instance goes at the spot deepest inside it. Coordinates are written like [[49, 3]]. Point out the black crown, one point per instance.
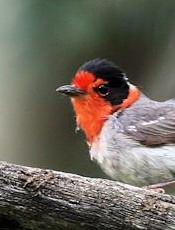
[[104, 69]]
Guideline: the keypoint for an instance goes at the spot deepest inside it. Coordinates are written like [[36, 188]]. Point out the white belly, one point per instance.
[[128, 161]]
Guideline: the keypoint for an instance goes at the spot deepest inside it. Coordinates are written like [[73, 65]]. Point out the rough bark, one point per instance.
[[37, 199]]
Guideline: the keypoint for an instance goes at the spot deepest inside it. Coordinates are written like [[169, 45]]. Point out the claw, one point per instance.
[[158, 187]]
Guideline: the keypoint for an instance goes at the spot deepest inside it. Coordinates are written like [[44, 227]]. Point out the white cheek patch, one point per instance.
[[131, 86], [125, 77]]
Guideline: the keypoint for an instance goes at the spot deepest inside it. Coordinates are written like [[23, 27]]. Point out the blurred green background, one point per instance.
[[43, 42]]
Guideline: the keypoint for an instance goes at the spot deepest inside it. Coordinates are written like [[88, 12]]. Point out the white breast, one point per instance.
[[129, 161]]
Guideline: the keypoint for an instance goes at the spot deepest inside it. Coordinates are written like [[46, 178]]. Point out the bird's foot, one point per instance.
[[158, 187], [159, 190]]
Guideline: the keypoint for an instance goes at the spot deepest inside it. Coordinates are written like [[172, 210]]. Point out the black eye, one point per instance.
[[103, 90]]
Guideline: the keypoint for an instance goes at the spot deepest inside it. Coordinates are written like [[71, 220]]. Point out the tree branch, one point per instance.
[[37, 199]]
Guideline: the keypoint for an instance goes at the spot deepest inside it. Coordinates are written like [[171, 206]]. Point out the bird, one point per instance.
[[130, 136]]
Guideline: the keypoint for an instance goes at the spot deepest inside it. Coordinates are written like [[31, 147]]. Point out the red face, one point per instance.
[[91, 108], [99, 88]]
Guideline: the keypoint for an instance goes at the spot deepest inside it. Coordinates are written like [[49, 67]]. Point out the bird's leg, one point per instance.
[[158, 187]]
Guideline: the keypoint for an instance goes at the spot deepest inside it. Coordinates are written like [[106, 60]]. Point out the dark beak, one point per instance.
[[70, 90]]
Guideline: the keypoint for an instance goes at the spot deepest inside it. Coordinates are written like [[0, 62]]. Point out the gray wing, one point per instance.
[[152, 123]]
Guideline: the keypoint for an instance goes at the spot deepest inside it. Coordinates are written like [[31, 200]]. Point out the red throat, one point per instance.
[[91, 115], [91, 109], [92, 112]]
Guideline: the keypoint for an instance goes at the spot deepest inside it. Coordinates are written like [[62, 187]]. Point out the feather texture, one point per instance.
[[150, 122]]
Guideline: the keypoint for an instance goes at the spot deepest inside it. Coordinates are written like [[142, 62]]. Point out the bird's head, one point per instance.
[[98, 89]]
